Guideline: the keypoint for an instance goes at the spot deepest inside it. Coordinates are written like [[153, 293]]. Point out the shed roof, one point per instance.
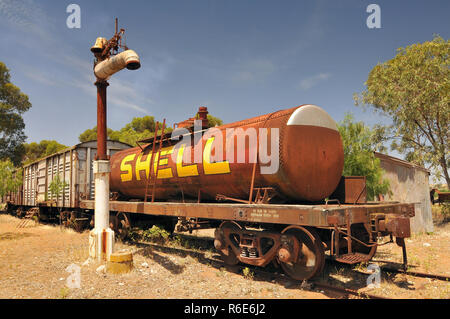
[[399, 161]]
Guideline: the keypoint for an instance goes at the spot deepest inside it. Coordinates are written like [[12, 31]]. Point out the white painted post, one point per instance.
[[101, 239]]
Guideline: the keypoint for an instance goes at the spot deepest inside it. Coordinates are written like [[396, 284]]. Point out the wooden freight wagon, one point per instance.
[[73, 167]]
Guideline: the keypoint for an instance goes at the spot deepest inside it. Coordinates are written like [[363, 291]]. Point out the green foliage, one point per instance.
[[359, 160], [10, 177], [130, 136], [248, 274], [91, 135], [13, 103], [181, 241], [445, 211], [141, 124], [56, 186], [413, 89], [64, 292], [154, 234], [138, 129], [212, 120], [35, 151]]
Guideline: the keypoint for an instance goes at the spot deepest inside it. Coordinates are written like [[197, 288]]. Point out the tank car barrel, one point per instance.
[[305, 138]]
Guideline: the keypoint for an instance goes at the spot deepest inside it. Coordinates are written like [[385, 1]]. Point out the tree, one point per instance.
[[413, 89], [212, 120], [141, 124], [138, 129], [35, 151], [13, 103], [359, 143], [91, 135], [10, 177], [56, 187]]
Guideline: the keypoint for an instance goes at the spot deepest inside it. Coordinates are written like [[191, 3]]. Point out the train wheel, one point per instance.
[[311, 257], [319, 241], [123, 225], [20, 212], [76, 223], [226, 253], [64, 218], [35, 214], [113, 223]]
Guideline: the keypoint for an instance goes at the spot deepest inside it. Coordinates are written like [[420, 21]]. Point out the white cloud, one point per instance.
[[37, 76], [120, 102], [311, 81], [27, 16], [121, 95]]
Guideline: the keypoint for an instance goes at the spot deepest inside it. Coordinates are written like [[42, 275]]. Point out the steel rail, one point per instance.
[[282, 278]]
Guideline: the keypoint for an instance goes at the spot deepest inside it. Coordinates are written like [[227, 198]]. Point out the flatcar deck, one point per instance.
[[304, 215]]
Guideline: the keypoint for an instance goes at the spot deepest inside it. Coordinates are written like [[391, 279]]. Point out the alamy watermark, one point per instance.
[[374, 19], [374, 280], [74, 280], [250, 145], [74, 18]]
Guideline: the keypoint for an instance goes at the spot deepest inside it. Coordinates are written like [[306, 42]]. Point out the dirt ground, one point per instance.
[[34, 259]]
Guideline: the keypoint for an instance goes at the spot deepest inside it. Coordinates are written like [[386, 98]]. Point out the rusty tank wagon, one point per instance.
[[311, 160], [296, 215]]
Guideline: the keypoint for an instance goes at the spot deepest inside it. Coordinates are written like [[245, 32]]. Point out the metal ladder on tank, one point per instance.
[[152, 195]]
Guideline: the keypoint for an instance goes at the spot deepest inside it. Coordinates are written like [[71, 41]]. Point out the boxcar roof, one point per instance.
[[82, 144]]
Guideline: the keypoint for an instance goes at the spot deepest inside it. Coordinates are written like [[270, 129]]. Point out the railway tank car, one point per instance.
[[282, 216], [310, 161]]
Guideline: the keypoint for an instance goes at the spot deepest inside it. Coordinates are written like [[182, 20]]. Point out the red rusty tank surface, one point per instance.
[[310, 163]]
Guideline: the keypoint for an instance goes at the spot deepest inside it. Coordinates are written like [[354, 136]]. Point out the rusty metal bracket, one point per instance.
[[137, 143], [240, 213], [264, 195], [362, 191], [332, 200], [353, 238], [220, 197], [401, 242], [399, 226], [256, 161]]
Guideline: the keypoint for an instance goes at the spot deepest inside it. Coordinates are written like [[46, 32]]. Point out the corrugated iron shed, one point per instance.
[[409, 184]]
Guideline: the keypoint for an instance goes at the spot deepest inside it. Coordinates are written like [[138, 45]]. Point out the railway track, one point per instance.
[[281, 278], [414, 273], [270, 276], [378, 262], [401, 271]]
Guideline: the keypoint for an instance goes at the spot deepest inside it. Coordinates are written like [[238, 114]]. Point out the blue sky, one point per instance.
[[239, 58]]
